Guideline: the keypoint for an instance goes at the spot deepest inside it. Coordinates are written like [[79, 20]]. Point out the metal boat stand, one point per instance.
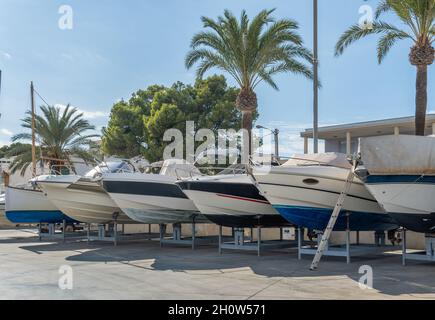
[[427, 255], [240, 242], [55, 233], [178, 239], [348, 249], [111, 233]]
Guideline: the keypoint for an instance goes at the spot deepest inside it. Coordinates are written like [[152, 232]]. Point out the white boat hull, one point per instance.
[[153, 199], [409, 200], [231, 200], [306, 196], [84, 201], [31, 206]]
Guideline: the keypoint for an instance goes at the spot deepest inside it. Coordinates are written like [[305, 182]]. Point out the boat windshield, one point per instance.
[[234, 169], [109, 167]]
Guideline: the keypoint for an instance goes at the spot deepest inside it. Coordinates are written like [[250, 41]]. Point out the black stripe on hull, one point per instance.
[[243, 190], [144, 188], [423, 223], [316, 189], [267, 221]]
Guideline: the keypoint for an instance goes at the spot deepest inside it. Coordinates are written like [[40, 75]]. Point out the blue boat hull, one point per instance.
[[317, 219], [38, 217]]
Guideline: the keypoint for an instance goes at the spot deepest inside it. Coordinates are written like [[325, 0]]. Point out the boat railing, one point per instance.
[[308, 162], [122, 169], [61, 169], [181, 172]]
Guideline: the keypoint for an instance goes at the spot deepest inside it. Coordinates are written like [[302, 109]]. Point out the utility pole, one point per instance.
[[276, 135], [316, 78], [32, 99]]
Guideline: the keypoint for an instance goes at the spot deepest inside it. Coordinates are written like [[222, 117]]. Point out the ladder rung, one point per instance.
[[332, 220]]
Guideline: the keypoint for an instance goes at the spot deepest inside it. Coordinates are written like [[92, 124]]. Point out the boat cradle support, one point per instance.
[[348, 249], [111, 233], [243, 243], [427, 255], [57, 232], [177, 238]]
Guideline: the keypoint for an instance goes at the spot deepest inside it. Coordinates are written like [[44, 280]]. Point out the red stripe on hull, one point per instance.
[[240, 198]]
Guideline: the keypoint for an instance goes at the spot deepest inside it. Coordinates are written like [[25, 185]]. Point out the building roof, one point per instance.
[[370, 128]]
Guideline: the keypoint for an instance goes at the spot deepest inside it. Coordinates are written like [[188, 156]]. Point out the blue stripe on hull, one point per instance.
[[317, 219], [380, 179], [37, 217]]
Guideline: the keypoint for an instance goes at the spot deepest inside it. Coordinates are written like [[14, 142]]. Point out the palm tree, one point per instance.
[[417, 17], [61, 134], [251, 52]]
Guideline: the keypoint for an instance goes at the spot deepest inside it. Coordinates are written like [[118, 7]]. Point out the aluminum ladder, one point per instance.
[[335, 213]]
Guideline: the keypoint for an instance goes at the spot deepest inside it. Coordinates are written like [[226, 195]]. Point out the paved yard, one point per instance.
[[29, 269]]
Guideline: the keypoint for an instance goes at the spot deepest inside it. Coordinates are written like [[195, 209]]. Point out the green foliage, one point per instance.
[[60, 134], [250, 51], [125, 124], [210, 103], [4, 151]]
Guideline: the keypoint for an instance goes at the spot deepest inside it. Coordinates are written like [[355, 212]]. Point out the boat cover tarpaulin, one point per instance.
[[333, 159], [398, 154], [179, 168]]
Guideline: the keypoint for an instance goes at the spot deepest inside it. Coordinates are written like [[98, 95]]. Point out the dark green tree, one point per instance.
[[137, 127]]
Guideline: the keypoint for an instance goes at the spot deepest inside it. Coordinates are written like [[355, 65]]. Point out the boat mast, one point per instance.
[[32, 99]]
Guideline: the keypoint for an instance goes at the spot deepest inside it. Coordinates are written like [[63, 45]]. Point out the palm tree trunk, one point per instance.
[[247, 125], [421, 100]]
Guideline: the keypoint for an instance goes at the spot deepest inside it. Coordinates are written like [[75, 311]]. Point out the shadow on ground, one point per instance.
[[390, 277]]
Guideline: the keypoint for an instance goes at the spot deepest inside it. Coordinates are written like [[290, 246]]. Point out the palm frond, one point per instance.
[[59, 133], [247, 49], [355, 33], [387, 41], [383, 6]]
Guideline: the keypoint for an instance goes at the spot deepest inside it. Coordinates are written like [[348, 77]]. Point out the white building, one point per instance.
[[344, 138]]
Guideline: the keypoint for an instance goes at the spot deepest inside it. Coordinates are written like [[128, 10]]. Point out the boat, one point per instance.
[[27, 204], [2, 203], [82, 197], [399, 171], [154, 198], [305, 189], [3, 220], [231, 199]]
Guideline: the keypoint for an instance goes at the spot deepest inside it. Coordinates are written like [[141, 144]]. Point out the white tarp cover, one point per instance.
[[333, 159], [179, 168], [398, 154]]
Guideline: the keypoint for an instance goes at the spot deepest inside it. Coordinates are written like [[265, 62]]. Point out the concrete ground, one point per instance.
[[29, 269]]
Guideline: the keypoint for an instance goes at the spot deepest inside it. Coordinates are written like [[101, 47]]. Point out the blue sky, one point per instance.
[[117, 47]]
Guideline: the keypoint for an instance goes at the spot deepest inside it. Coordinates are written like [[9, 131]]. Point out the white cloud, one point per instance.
[[93, 114], [6, 132], [6, 55], [86, 114], [84, 55]]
